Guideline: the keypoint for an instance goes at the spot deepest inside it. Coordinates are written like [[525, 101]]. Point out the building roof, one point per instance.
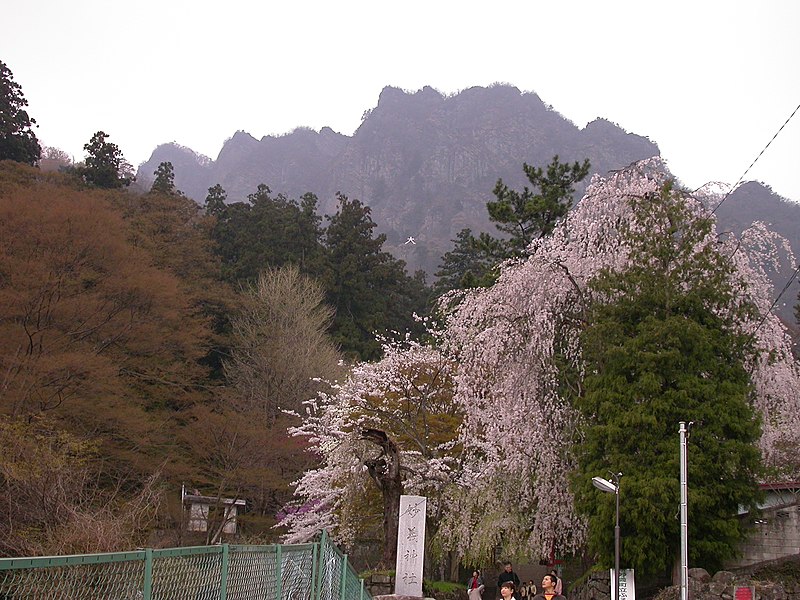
[[781, 485], [199, 499]]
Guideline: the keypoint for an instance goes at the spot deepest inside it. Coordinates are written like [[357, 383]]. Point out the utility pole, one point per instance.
[[684, 436]]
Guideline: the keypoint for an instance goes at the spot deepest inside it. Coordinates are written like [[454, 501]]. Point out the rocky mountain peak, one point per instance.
[[424, 162]]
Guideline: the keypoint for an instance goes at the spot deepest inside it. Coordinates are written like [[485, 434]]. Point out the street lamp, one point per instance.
[[604, 485]]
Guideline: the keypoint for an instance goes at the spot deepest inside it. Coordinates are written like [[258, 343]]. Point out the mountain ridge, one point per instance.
[[426, 164]]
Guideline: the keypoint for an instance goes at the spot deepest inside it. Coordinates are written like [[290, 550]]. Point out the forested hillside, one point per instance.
[[146, 344]]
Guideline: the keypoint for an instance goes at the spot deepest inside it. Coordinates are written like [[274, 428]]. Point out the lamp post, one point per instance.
[[604, 485]]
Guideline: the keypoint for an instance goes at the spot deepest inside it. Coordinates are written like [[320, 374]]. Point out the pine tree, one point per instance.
[[533, 213], [522, 216]]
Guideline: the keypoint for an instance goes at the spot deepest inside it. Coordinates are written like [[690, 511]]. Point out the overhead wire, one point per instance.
[[733, 188], [783, 291], [755, 160]]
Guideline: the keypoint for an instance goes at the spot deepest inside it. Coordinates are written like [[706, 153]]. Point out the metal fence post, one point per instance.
[[147, 592], [314, 570], [223, 583], [343, 582], [279, 569], [321, 568]]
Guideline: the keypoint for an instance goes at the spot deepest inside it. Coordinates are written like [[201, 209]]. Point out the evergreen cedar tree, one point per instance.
[[18, 142], [164, 182], [662, 346], [368, 288], [105, 166], [632, 315]]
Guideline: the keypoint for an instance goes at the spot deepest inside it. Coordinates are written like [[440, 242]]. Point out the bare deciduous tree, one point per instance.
[[281, 347], [50, 501]]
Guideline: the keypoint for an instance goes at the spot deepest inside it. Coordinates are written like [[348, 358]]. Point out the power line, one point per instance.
[[733, 188], [783, 291], [755, 160]]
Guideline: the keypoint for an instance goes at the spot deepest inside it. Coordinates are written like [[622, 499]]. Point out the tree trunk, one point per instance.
[[385, 472], [454, 567], [676, 569]]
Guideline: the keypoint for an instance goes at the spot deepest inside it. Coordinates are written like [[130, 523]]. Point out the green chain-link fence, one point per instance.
[[317, 571]]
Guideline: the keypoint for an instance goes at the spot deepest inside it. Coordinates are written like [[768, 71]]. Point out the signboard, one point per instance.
[[744, 593], [410, 546], [627, 586]]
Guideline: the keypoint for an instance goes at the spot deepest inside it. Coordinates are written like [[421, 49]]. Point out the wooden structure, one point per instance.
[[206, 512]]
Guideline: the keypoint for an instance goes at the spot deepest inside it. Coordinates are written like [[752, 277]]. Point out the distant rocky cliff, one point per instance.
[[425, 163]]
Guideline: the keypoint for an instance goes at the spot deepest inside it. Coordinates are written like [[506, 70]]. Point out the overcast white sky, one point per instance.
[[709, 81]]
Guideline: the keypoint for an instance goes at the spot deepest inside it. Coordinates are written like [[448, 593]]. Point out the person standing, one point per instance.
[[475, 586], [559, 587], [549, 589], [506, 576]]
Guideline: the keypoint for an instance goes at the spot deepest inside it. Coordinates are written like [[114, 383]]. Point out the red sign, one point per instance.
[[743, 593]]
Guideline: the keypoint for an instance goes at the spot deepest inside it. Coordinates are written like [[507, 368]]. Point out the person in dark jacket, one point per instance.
[[508, 575]]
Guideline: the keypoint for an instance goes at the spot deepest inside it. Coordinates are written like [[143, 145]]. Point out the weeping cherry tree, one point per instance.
[[557, 354]]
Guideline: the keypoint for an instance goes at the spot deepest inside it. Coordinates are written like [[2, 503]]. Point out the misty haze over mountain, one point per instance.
[[426, 165]]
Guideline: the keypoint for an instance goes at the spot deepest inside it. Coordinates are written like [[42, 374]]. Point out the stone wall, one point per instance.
[[701, 587], [722, 586], [597, 587], [778, 580], [379, 585], [775, 535]]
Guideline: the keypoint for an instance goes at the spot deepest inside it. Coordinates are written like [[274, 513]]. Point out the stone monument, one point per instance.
[[410, 546]]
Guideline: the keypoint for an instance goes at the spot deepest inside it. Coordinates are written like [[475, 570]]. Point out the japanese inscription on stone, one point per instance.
[[627, 587], [410, 546]]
